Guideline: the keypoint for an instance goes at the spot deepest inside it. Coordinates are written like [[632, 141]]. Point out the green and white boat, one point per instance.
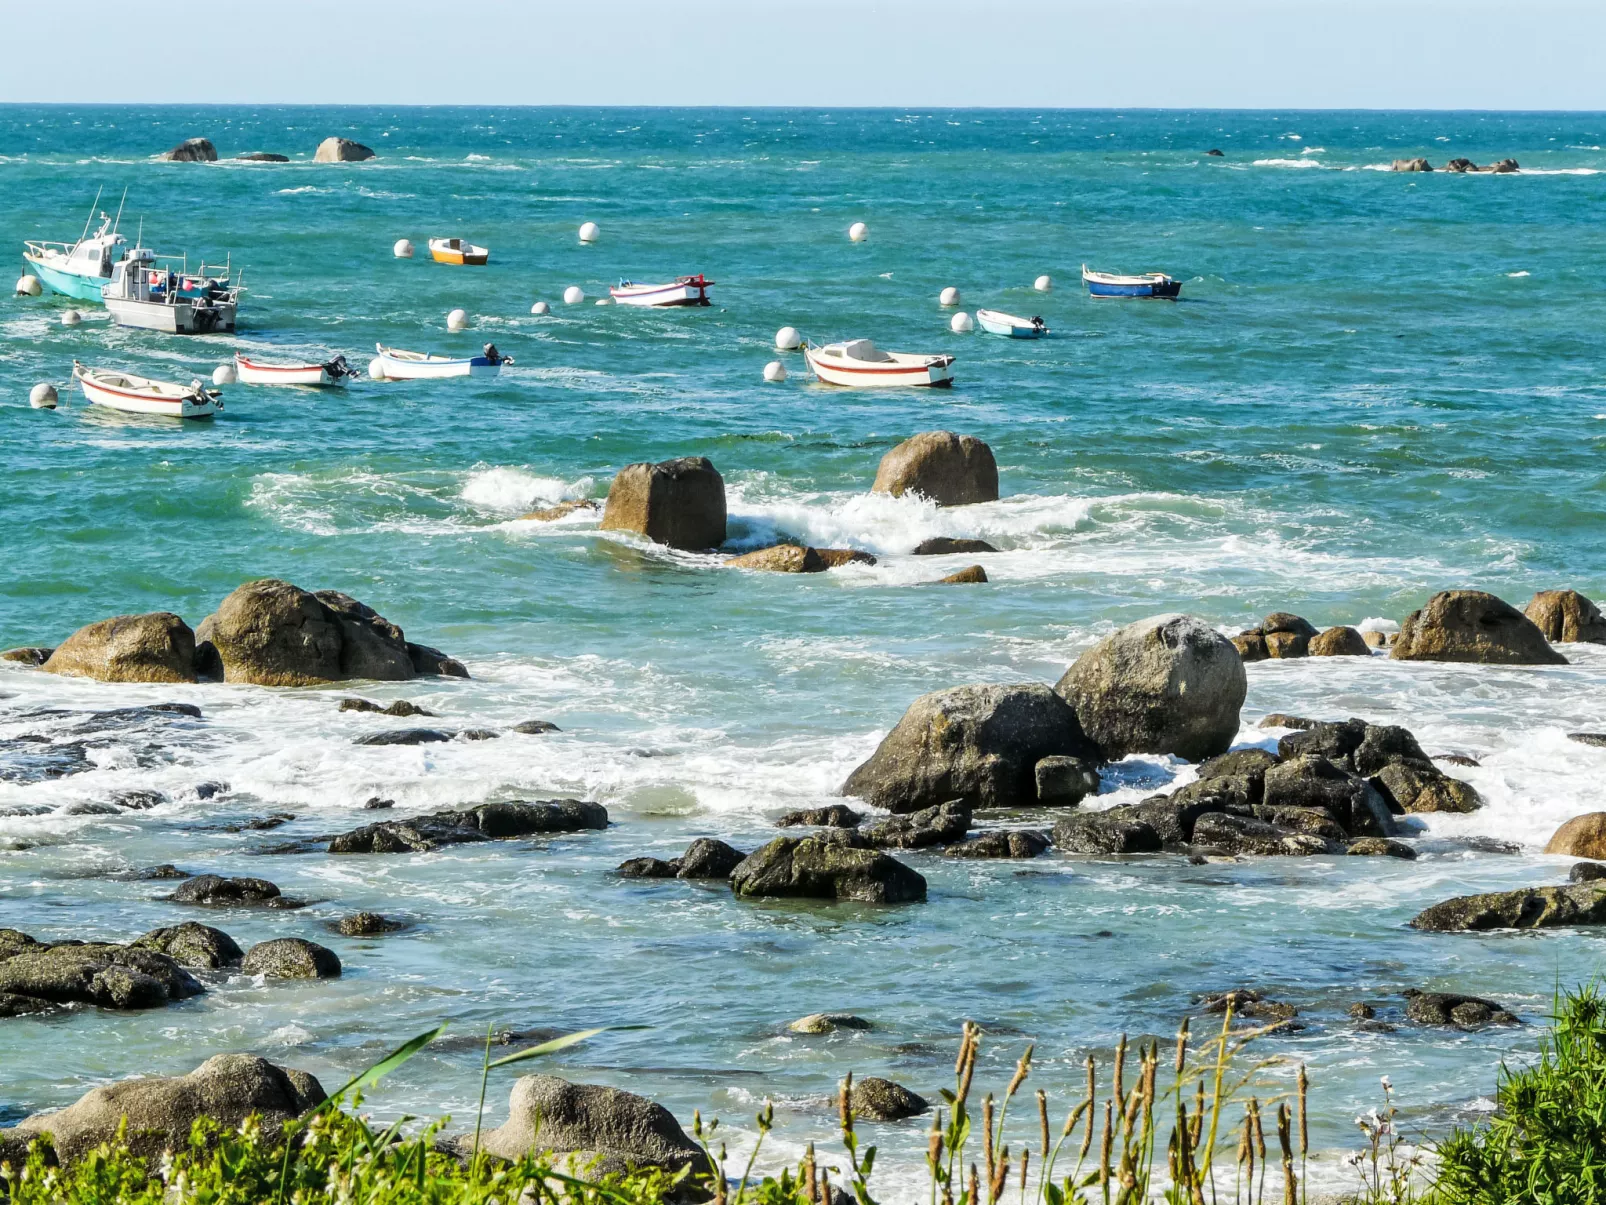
[[83, 268]]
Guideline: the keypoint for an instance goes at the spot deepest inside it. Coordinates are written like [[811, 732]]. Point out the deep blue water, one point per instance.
[[1375, 386]]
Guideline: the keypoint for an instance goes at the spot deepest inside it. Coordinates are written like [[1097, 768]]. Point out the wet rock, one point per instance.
[[818, 1023], [974, 575], [1361, 1011], [948, 469], [341, 150], [1524, 908], [1315, 822], [155, 647], [780, 558], [401, 707], [647, 868], [291, 958], [1448, 1008], [209, 790], [1011, 843], [1596, 739], [1336, 742], [618, 1129], [1410, 165], [1503, 167], [707, 858], [1339, 642], [1424, 787], [535, 727], [89, 809], [1286, 646], [191, 150], [1278, 719], [1170, 684], [1460, 165], [1173, 816], [876, 1099], [478, 734], [1113, 831], [1458, 759], [431, 662], [1469, 625], [371, 646], [1251, 645], [164, 871], [1489, 845], [1286, 621], [561, 511], [827, 866], [680, 503], [405, 736], [939, 825], [980, 744], [1247, 764], [262, 157], [1240, 835], [833, 557], [1385, 744], [197, 946], [484, 822], [1381, 847], [1581, 837], [1310, 781], [375, 803], [1065, 781], [160, 1110], [366, 924], [136, 801], [109, 976], [1567, 616], [948, 545], [215, 891], [837, 815], [1377, 640], [1214, 153], [27, 656], [1587, 872], [1248, 1002]]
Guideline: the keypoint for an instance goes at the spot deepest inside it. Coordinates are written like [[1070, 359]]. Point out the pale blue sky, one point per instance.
[[1442, 54]]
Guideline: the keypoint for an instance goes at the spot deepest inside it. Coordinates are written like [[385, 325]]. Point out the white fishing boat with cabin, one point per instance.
[[416, 365], [132, 394], [257, 372], [160, 293], [684, 290], [996, 322], [83, 268], [860, 364]]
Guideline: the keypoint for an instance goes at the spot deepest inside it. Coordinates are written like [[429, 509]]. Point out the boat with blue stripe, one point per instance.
[[80, 269], [1145, 284]]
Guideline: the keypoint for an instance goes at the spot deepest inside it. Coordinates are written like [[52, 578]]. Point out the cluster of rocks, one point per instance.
[[330, 150], [483, 822], [1455, 165], [1282, 636], [266, 632]]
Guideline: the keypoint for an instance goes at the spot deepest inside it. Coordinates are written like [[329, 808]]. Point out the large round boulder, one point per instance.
[[1169, 684], [291, 958], [680, 503], [341, 150], [618, 1129], [949, 469], [1581, 837], [160, 1110], [834, 865], [1469, 625], [193, 945], [370, 645], [192, 150], [272, 633], [1339, 642], [980, 744], [1567, 616], [155, 647]]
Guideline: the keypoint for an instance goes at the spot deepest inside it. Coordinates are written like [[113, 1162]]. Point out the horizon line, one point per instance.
[[783, 108]]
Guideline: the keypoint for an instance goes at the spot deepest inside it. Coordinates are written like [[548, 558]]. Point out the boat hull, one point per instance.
[[431, 370], [661, 296], [284, 374], [1162, 290], [68, 284], [938, 372], [1010, 327], [180, 318], [132, 403]]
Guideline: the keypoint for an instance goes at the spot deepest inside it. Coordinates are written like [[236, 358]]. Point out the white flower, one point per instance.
[[1388, 1085]]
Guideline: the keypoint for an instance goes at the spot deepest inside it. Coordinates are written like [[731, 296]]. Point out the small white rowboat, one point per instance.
[[141, 395], [860, 364], [416, 365], [686, 290], [996, 322], [331, 372]]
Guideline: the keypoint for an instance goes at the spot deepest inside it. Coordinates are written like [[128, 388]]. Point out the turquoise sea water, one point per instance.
[[1375, 386]]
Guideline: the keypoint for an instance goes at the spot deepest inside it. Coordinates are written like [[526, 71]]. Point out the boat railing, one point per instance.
[[42, 247]]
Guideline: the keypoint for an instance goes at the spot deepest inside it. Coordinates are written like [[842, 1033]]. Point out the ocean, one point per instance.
[[1375, 386]]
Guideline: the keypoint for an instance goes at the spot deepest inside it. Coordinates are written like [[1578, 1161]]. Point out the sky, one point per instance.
[[1277, 54]]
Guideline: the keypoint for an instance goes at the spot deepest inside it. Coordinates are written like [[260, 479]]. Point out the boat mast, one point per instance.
[[93, 206], [119, 220]]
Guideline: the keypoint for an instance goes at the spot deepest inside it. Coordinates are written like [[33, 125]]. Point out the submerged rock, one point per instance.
[[401, 707], [1231, 834], [215, 891], [1448, 1008], [405, 736], [948, 469], [366, 924], [155, 647], [680, 503], [1170, 684], [562, 510], [828, 866], [1011, 843], [940, 825], [1381, 847], [484, 822], [834, 557], [98, 973], [1469, 625], [1248, 1002], [291, 958], [974, 575], [836, 815], [535, 727], [1567, 616], [647, 868], [1524, 908], [30, 655], [818, 1023], [262, 157], [193, 945], [949, 545], [876, 1099], [708, 858], [780, 558]]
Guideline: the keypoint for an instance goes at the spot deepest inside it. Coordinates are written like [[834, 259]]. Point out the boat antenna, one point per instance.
[[119, 220], [93, 205]]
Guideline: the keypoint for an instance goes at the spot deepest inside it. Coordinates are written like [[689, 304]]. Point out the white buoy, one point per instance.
[[224, 374], [589, 232], [960, 323], [457, 320], [71, 318], [42, 396], [858, 232], [403, 249], [376, 370], [1044, 283], [605, 301], [540, 307], [775, 371], [573, 295], [787, 339], [29, 286], [950, 296]]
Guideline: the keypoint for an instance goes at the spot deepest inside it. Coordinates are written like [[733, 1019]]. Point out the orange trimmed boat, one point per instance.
[[457, 251]]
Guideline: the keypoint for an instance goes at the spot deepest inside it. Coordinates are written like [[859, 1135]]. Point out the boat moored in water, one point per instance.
[[683, 290], [256, 372], [1145, 284], [457, 251], [860, 364], [160, 293], [996, 322], [132, 394], [79, 269], [416, 365]]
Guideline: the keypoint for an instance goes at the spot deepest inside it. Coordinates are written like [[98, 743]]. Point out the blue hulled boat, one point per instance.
[[78, 269], [1147, 284]]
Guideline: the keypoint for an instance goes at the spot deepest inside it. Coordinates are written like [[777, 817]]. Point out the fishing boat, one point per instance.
[[1145, 284], [416, 365], [79, 269], [160, 293], [860, 364], [684, 290], [330, 372], [456, 251], [141, 395], [996, 322]]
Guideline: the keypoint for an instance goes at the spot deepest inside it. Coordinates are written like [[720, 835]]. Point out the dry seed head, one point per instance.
[[1260, 1135], [845, 1104], [973, 1190], [1106, 1142], [1000, 1176], [1120, 1067], [987, 1134], [1182, 1045], [1022, 1068], [1304, 1132]]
